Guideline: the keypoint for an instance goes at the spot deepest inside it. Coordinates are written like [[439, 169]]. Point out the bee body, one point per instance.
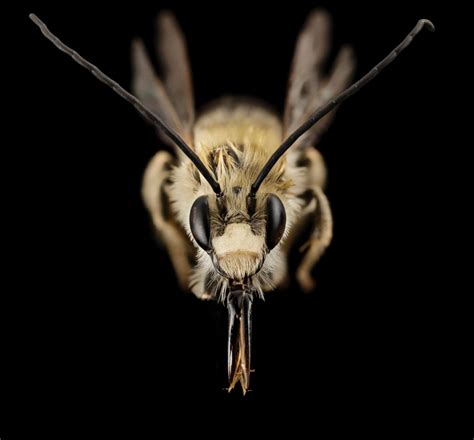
[[229, 201]]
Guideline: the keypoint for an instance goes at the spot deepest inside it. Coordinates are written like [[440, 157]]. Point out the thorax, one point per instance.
[[240, 123]]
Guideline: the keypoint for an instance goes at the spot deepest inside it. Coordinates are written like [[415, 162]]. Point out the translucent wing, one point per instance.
[[309, 88], [171, 98], [150, 90], [176, 70]]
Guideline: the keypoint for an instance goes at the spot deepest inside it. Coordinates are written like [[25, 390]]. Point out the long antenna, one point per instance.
[[319, 113], [146, 113]]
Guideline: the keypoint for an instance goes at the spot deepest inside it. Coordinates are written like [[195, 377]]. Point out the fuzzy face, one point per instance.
[[238, 246]]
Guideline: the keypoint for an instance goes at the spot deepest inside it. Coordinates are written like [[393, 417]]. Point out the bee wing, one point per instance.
[[151, 91], [309, 88], [173, 57], [170, 98]]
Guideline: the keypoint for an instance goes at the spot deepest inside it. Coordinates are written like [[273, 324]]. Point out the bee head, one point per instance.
[[237, 232]]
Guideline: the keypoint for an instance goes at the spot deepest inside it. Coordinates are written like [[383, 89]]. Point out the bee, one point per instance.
[[230, 201]]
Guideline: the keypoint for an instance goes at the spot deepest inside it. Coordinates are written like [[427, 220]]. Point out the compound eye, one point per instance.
[[200, 223], [276, 221]]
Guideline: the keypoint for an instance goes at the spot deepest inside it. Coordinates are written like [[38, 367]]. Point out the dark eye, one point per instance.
[[276, 221], [199, 222]]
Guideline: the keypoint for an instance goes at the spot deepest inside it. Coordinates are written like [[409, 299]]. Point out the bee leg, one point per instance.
[[316, 173], [321, 236], [154, 194]]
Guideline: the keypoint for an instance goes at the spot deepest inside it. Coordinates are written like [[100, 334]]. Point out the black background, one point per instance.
[[98, 340]]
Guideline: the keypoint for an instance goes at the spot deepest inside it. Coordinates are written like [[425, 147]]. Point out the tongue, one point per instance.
[[239, 306]]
